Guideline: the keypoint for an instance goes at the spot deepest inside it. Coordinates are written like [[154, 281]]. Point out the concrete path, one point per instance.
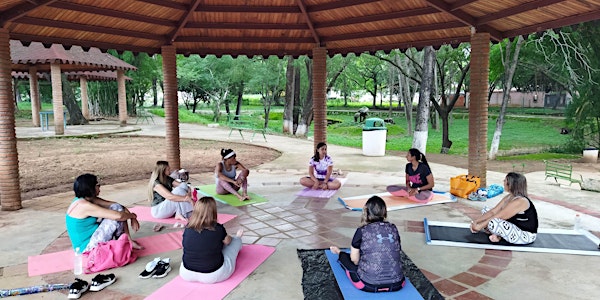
[[289, 222]]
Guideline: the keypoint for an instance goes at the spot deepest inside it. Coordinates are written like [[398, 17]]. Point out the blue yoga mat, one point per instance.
[[350, 292]]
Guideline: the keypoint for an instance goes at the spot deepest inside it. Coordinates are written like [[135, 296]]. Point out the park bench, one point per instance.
[[143, 115], [562, 171], [241, 123]]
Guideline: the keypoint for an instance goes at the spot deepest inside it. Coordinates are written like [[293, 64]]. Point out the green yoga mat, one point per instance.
[[210, 190]]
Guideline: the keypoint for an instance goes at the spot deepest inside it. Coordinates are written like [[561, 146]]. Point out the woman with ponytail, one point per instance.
[[419, 179], [320, 169]]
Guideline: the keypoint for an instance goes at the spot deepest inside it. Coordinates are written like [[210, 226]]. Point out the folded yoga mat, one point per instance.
[[250, 257], [63, 260], [319, 280], [308, 192], [143, 214], [394, 202], [350, 292], [548, 240], [210, 190]]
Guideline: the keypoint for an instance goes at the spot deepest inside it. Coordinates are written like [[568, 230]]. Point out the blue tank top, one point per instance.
[[80, 230]]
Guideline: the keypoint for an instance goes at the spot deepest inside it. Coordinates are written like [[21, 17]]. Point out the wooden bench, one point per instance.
[[562, 171], [240, 124]]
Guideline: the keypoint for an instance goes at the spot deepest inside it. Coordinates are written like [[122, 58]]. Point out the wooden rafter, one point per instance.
[[309, 22], [595, 15], [393, 31], [183, 21], [465, 18], [246, 26], [460, 4], [338, 4], [243, 39], [112, 13], [515, 10], [379, 17], [21, 10], [250, 9]]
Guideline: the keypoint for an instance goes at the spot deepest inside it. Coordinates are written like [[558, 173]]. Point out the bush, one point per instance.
[[275, 115]]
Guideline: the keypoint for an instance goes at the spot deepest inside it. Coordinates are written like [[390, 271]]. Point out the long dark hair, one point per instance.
[[316, 158], [375, 210], [418, 155]]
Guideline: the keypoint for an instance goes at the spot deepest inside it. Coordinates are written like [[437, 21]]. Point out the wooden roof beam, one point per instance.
[[245, 26], [309, 22], [338, 4], [465, 18], [380, 17], [183, 21], [90, 28], [555, 24], [168, 4], [84, 43], [21, 10], [394, 31], [515, 10], [402, 46], [112, 13], [249, 9], [460, 4], [242, 39]]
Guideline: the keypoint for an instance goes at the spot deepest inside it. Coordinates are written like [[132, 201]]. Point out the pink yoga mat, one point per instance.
[[250, 257], [143, 214], [63, 260], [308, 192]]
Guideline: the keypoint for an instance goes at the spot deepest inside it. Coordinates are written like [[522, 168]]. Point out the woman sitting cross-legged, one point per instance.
[[169, 197], [418, 176], [85, 232], [374, 263], [227, 179], [514, 219], [209, 253], [320, 169]]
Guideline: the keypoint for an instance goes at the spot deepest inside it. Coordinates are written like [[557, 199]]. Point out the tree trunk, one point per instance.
[[288, 107], [307, 108], [154, 91], [75, 114], [404, 91], [422, 122], [510, 66]]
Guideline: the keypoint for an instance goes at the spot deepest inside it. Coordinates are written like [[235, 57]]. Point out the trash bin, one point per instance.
[[590, 155], [373, 137]]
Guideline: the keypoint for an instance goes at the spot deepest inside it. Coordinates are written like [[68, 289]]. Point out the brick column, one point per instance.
[[171, 105], [85, 108], [478, 105], [122, 98], [57, 99], [34, 91], [10, 191], [319, 82]]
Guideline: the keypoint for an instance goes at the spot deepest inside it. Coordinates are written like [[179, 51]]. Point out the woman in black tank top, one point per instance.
[[514, 218]]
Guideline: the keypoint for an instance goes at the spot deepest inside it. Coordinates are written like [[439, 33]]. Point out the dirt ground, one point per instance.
[[51, 165]]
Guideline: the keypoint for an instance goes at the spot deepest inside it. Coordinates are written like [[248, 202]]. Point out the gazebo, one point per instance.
[[277, 27], [35, 57]]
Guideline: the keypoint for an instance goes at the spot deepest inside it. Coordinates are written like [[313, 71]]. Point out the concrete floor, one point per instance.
[[289, 222]]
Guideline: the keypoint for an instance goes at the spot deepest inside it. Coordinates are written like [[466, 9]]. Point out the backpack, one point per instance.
[[111, 254]]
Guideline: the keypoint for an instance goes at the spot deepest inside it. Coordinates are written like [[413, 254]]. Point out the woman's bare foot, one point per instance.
[[494, 238], [136, 246], [334, 250], [180, 217], [158, 227], [240, 232]]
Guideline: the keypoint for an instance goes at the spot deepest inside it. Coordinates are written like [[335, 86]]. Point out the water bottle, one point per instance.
[[78, 262], [577, 223]]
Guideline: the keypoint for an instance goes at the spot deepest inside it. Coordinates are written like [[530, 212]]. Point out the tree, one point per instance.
[[368, 72], [509, 61], [270, 82], [292, 95], [422, 120]]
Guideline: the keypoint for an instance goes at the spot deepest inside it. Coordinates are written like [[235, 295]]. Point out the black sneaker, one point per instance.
[[77, 288], [101, 281], [150, 269], [162, 269]]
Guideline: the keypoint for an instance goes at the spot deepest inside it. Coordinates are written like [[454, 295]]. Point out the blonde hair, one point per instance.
[[158, 174], [204, 215]]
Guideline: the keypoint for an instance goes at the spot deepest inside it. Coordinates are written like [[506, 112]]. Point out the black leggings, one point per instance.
[[351, 271]]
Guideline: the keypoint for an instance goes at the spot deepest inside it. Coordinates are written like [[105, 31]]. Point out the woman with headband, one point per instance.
[[228, 181]]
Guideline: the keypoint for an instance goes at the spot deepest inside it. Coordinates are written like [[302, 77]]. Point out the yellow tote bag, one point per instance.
[[463, 185]]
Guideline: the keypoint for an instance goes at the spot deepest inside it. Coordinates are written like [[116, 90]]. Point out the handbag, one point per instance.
[[111, 254], [463, 185]]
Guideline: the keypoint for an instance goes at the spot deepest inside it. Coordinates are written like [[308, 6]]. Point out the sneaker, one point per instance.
[[77, 288], [150, 269], [101, 281], [162, 268]]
